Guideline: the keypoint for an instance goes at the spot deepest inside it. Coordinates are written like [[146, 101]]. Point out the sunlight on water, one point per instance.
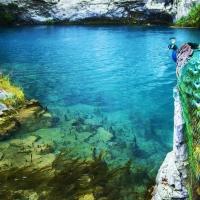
[[108, 88]]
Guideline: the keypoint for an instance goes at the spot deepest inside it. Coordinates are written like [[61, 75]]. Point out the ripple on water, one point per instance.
[[117, 79]]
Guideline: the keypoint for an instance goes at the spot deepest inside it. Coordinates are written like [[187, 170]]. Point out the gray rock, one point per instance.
[[183, 8], [172, 175], [2, 108], [76, 10], [182, 154], [4, 95]]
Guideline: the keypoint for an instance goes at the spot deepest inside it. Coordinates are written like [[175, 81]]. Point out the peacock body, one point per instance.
[[188, 74]]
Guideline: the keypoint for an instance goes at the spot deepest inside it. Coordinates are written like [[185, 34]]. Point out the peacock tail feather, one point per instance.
[[188, 71]]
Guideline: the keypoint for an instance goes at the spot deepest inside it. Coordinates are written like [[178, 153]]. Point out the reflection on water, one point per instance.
[[108, 89]]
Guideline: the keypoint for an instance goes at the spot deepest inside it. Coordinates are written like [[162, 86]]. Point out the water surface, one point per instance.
[[118, 79]]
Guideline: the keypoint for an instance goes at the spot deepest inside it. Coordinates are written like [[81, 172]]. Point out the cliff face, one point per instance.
[[183, 7], [172, 177], [178, 176], [79, 10]]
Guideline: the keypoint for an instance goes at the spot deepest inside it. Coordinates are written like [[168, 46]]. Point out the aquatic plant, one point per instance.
[[67, 178]]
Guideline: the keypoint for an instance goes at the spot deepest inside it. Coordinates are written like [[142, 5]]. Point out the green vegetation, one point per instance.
[[13, 6], [18, 97], [49, 21], [70, 179], [8, 18], [192, 20], [7, 13]]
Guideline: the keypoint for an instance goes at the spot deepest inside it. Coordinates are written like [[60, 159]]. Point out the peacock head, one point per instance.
[[172, 46]]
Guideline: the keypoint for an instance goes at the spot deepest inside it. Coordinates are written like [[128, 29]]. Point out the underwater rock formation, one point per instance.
[[33, 116], [30, 117], [48, 11], [66, 178]]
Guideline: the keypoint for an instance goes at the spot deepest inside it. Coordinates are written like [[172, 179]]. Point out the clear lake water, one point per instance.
[[117, 79]]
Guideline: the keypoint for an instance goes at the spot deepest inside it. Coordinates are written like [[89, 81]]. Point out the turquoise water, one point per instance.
[[117, 78]]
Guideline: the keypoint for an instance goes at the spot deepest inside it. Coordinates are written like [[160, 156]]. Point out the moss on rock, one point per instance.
[[16, 111]]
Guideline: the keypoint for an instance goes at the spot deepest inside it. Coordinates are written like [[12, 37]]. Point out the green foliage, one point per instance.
[[5, 13], [13, 6], [192, 20], [5, 17], [8, 17], [49, 21], [183, 21]]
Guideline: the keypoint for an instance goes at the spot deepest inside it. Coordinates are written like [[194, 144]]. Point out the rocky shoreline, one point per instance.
[[81, 12], [17, 114], [172, 177]]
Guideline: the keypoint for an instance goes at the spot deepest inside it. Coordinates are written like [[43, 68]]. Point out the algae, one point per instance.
[[67, 178]]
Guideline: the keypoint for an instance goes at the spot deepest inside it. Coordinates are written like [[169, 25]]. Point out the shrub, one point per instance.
[[13, 6], [193, 18], [49, 21], [8, 17]]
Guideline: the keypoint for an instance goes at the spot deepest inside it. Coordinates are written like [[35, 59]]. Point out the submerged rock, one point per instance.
[[27, 118], [33, 117], [102, 135]]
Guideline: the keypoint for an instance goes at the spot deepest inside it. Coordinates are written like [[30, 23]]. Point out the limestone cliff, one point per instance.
[[173, 174], [183, 7], [178, 177], [38, 11]]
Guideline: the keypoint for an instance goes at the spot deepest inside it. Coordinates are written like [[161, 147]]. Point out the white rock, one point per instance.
[[72, 10], [181, 153], [183, 7], [163, 192], [2, 108], [172, 174], [4, 95]]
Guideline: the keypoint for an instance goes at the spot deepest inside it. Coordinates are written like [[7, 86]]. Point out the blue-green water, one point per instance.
[[119, 78]]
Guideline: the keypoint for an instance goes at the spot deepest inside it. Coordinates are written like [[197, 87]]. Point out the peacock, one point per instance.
[[188, 82], [174, 48]]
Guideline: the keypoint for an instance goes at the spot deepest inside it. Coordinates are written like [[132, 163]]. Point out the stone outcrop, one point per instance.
[[68, 11], [30, 117], [172, 175]]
